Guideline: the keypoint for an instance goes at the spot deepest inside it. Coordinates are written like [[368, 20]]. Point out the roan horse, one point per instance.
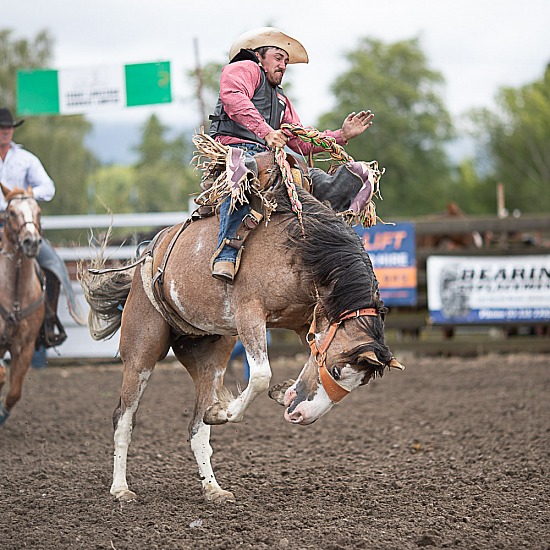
[[311, 276], [21, 292]]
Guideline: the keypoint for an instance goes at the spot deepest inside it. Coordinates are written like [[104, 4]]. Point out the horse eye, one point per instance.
[[336, 373]]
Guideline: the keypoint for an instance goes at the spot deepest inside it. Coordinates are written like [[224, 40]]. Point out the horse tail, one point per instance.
[[106, 295]]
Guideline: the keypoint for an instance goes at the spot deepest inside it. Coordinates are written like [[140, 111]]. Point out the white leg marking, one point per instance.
[[260, 376], [200, 445], [122, 439]]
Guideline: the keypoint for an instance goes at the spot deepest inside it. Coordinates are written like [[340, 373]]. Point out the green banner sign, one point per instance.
[[92, 89]]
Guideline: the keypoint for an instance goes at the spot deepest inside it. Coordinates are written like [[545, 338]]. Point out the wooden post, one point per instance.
[[501, 209]]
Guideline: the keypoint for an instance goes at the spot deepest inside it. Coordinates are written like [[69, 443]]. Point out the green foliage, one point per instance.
[[59, 144], [475, 195], [206, 81], [19, 54], [163, 178], [57, 141], [109, 189], [517, 139], [410, 128]]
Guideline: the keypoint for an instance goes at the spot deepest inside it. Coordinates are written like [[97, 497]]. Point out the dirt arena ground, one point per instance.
[[451, 453]]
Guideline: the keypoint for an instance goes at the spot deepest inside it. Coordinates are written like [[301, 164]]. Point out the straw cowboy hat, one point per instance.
[[270, 36], [6, 119]]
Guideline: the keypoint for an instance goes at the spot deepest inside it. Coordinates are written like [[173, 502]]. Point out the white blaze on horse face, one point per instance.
[[313, 399], [350, 378], [28, 217], [26, 210], [309, 409]]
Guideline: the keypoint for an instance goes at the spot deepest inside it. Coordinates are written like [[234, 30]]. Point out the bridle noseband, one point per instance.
[[335, 391]]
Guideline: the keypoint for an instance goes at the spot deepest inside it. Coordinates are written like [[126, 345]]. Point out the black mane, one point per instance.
[[334, 255]]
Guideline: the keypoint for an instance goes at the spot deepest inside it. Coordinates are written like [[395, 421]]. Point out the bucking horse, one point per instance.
[[305, 271]]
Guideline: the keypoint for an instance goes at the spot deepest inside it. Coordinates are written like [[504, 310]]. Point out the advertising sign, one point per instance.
[[393, 254], [474, 289]]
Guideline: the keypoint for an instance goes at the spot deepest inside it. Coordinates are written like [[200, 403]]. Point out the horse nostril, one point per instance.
[[295, 416]]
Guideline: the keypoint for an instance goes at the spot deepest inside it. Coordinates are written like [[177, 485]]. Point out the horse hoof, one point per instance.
[[4, 413], [277, 392], [218, 495], [216, 414], [126, 496]]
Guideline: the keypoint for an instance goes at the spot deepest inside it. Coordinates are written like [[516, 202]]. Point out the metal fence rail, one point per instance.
[[80, 345]]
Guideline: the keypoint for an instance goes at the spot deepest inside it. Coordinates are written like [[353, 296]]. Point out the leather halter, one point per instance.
[[335, 391]]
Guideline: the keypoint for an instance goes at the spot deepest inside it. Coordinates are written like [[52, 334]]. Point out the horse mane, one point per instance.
[[334, 256]]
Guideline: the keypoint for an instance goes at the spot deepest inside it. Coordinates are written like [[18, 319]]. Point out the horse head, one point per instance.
[[22, 229], [349, 347], [345, 354]]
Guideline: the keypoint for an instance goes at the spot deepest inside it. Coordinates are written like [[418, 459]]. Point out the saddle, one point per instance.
[[259, 173]]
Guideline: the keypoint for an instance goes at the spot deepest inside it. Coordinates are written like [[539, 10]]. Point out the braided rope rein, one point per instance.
[[366, 216], [310, 135], [313, 136]]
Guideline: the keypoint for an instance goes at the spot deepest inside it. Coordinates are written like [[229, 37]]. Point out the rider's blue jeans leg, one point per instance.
[[229, 223]]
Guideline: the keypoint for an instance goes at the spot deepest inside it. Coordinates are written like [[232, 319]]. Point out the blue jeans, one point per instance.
[[229, 222]]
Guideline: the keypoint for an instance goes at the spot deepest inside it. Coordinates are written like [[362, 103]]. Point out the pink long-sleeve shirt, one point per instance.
[[238, 83]]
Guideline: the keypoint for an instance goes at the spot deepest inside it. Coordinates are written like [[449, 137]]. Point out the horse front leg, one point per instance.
[[254, 338], [205, 359], [21, 357], [3, 377]]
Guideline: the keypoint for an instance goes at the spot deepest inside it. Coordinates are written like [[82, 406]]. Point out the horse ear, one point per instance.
[[370, 356], [29, 190], [395, 364], [5, 190]]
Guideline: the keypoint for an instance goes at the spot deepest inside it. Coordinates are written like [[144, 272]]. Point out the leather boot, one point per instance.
[[224, 271]]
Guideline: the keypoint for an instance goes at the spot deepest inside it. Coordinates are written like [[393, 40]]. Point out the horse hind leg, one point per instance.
[[4, 413], [206, 359], [133, 386], [144, 340]]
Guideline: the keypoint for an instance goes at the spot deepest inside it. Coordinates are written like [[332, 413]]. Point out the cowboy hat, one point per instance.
[[6, 120], [270, 36]]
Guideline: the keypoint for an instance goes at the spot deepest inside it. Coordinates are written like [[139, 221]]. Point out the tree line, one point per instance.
[[409, 139]]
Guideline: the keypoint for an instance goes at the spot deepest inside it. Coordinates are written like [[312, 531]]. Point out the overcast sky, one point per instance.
[[478, 45]]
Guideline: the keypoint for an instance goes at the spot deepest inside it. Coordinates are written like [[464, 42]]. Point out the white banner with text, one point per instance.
[[471, 289]]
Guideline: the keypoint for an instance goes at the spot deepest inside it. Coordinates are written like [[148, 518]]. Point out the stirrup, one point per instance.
[[52, 334]]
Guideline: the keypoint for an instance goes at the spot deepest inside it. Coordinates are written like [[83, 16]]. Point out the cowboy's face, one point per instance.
[[274, 63], [6, 133]]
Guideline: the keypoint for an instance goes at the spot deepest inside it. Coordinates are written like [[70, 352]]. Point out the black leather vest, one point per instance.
[[269, 104]]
